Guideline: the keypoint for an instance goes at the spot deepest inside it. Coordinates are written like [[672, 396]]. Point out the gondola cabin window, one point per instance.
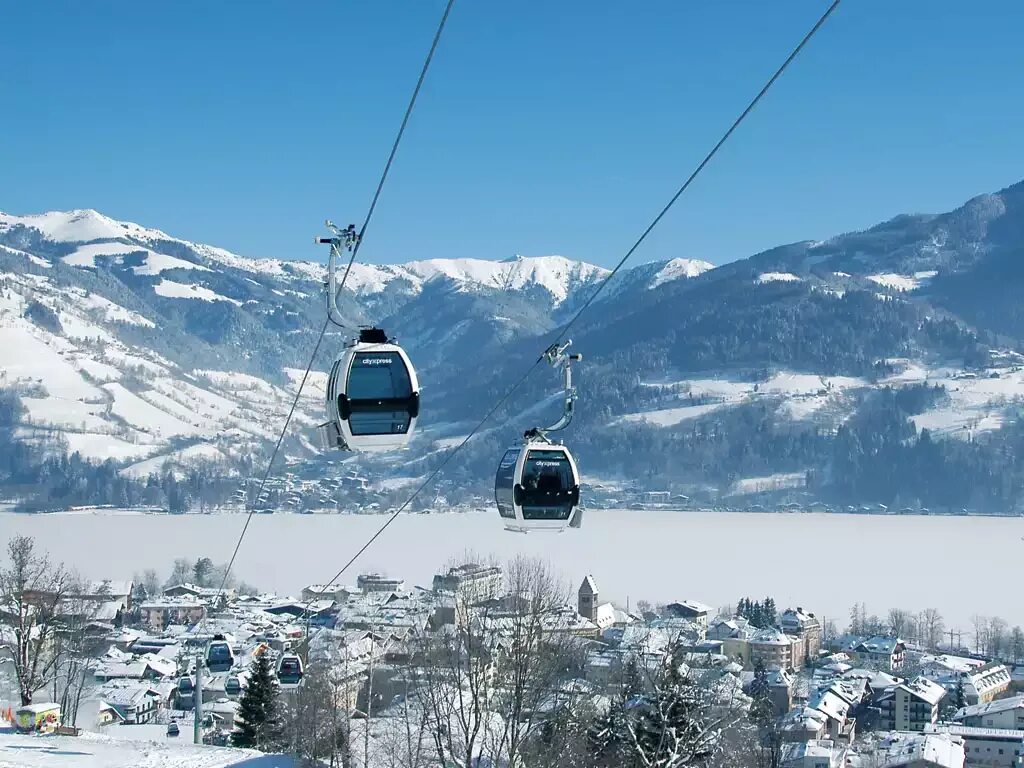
[[379, 389], [504, 483], [547, 484]]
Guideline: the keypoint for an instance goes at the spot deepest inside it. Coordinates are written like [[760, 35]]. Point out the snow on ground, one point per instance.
[[115, 312], [68, 414], [202, 452], [153, 262], [172, 290], [680, 268], [777, 277], [145, 416], [768, 483], [76, 327], [808, 383], [24, 356], [92, 750], [804, 395], [669, 417], [902, 282], [102, 447], [397, 483], [448, 442], [30, 256], [316, 382], [78, 226]]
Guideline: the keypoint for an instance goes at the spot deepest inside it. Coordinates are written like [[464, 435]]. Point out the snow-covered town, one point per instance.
[[490, 664]]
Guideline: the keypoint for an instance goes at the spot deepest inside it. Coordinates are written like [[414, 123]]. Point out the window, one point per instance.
[[380, 392]]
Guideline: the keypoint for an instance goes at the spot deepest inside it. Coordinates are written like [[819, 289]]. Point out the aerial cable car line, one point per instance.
[[561, 334], [355, 249]]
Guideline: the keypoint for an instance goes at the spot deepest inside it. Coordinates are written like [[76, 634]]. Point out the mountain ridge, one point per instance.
[[170, 356]]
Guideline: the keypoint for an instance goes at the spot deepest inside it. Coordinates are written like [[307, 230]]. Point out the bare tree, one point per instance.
[[538, 656], [150, 582], [899, 621], [1017, 644], [31, 590], [321, 717], [980, 624], [76, 648], [491, 682], [930, 627], [997, 637]]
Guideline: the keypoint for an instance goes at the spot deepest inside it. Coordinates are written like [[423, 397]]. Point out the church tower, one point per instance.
[[588, 598]]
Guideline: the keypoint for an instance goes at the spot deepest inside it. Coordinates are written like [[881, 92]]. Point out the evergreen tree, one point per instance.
[[256, 720], [761, 707], [769, 613], [607, 736], [202, 571]]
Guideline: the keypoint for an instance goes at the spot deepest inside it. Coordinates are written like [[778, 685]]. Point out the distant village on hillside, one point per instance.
[[357, 669]]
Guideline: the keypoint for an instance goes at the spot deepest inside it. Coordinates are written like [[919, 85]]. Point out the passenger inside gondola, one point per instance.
[[379, 394]]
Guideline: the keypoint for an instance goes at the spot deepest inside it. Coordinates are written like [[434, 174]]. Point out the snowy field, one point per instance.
[[94, 751], [657, 556]]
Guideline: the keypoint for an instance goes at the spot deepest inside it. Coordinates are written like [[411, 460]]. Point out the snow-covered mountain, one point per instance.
[[124, 342], [155, 351]]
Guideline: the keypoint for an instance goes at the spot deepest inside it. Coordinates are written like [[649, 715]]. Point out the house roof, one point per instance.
[[938, 749], [999, 705], [879, 644], [967, 731], [111, 587], [770, 636], [692, 605], [589, 586], [925, 689]]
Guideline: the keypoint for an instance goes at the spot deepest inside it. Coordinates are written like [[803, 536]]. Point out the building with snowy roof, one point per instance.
[[693, 611], [805, 625], [471, 582], [986, 747], [804, 724], [159, 614], [920, 750], [723, 628], [913, 705], [840, 723], [1002, 713], [887, 652], [377, 582], [776, 650], [985, 683], [336, 592], [812, 754]]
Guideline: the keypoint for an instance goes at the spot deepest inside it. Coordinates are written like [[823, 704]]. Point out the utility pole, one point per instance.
[[197, 724]]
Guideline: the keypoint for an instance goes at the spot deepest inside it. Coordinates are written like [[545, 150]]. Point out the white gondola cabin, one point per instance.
[[289, 669], [537, 488], [219, 656], [373, 396]]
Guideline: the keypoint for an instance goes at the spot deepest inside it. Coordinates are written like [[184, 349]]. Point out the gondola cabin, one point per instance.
[[289, 669], [219, 656], [233, 686], [537, 488], [373, 396], [186, 688]]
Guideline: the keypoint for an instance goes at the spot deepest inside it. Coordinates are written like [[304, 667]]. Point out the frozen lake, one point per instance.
[[962, 566]]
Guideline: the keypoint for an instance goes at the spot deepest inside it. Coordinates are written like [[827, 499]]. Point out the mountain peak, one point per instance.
[[79, 225]]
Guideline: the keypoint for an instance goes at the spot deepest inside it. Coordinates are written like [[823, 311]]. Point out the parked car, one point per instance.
[[172, 728]]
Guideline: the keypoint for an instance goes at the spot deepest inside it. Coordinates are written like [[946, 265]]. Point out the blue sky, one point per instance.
[[543, 127]]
